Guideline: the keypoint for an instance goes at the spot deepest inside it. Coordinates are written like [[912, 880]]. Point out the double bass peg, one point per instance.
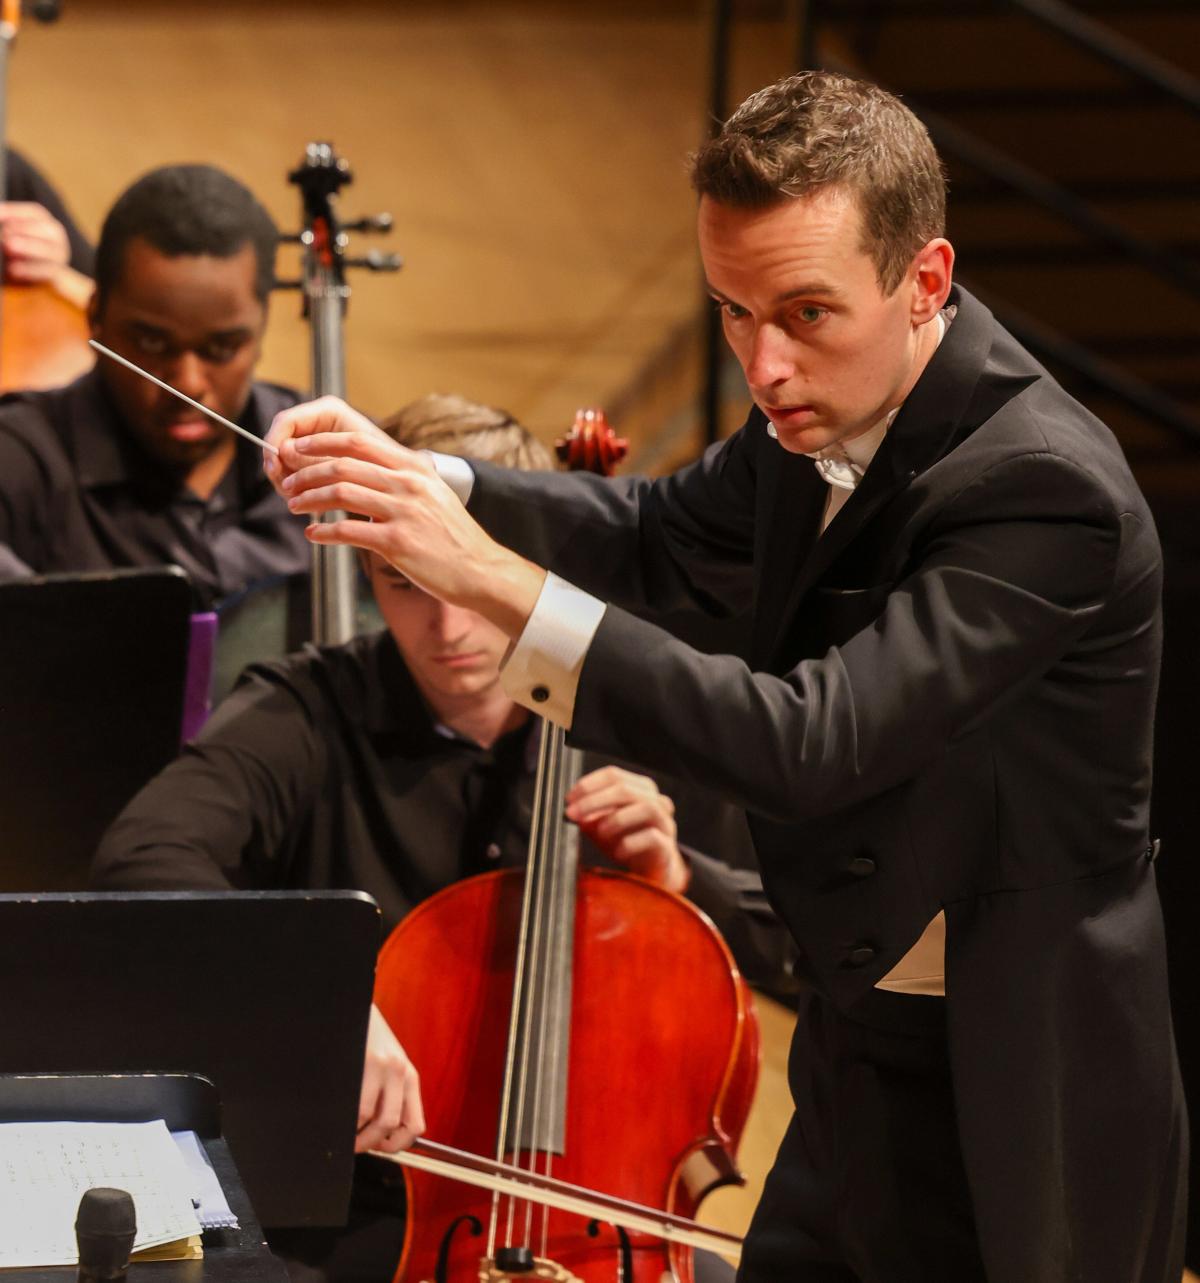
[[377, 260], [322, 172], [371, 223]]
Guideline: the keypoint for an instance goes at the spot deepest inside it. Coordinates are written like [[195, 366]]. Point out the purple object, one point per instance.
[[202, 639]]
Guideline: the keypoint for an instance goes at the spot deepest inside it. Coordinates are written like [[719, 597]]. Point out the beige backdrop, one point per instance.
[[532, 155]]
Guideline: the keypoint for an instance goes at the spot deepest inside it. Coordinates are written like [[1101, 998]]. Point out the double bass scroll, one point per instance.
[[323, 238]]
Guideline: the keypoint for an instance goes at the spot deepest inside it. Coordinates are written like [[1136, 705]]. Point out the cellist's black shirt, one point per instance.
[[77, 493], [23, 181], [325, 770]]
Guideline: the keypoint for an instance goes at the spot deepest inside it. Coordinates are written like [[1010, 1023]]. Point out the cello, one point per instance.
[[587, 1029]]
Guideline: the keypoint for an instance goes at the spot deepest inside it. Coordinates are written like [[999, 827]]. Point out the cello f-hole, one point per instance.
[[442, 1272], [624, 1250]]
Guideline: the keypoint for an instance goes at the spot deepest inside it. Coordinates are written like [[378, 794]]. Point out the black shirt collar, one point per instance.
[[394, 706], [106, 453]]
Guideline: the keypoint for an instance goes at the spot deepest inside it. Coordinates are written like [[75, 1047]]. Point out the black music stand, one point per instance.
[[185, 1102], [265, 993], [92, 672]]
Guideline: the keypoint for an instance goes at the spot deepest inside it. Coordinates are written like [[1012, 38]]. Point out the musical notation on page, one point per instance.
[[46, 1167]]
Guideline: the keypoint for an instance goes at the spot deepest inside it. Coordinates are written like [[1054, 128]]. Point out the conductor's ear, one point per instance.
[[932, 274]]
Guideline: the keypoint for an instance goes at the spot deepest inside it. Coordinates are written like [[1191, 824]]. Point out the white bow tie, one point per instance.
[[841, 473]]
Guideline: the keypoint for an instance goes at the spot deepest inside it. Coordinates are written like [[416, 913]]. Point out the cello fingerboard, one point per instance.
[[537, 1103]]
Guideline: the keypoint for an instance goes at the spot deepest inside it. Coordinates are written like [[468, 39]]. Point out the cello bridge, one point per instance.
[[542, 1269]]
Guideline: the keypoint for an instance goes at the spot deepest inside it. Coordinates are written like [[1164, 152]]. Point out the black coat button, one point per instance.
[[540, 694], [860, 955], [862, 866]]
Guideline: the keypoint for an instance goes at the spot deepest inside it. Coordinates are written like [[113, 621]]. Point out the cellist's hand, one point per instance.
[[390, 1113], [632, 823]]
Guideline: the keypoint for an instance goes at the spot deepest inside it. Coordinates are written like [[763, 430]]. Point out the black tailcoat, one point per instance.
[[949, 706]]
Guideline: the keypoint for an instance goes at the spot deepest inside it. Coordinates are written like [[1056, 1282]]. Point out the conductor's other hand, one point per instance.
[[34, 242], [390, 1113], [632, 822]]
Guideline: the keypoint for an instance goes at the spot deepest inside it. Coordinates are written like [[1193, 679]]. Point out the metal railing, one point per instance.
[[1013, 176]]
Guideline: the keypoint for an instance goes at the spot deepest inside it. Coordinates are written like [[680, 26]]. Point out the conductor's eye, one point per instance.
[[730, 310]]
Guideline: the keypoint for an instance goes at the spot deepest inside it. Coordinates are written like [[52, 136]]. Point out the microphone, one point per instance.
[[105, 1227]]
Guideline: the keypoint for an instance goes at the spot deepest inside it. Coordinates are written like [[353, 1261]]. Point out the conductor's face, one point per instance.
[[825, 352], [196, 323]]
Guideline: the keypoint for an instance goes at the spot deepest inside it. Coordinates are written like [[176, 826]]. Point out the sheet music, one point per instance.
[[46, 1167]]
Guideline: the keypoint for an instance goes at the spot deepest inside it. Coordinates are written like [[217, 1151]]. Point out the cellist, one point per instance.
[[396, 765]]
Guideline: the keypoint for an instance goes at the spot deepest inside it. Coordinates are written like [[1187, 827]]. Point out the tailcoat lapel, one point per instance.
[[791, 500], [922, 432]]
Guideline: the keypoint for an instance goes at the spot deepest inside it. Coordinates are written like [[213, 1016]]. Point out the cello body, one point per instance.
[[658, 1075]]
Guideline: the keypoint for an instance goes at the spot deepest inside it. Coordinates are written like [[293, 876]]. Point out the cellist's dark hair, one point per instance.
[[187, 210]]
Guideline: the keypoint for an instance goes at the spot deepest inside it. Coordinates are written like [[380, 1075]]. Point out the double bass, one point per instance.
[[43, 327], [586, 1040]]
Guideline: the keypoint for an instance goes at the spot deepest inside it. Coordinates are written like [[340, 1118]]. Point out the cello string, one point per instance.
[[537, 875], [548, 969], [565, 921], [535, 1037], [516, 1059], [518, 990]]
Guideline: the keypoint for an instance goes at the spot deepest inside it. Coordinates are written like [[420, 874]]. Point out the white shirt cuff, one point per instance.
[[541, 671], [455, 472]]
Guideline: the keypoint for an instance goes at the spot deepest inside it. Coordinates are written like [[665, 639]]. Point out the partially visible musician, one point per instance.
[[395, 764], [110, 471], [38, 236]]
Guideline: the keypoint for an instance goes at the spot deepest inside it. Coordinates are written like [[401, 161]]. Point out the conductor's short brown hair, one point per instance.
[[818, 130]]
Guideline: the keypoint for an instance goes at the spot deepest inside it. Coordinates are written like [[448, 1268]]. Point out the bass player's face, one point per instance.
[[195, 322]]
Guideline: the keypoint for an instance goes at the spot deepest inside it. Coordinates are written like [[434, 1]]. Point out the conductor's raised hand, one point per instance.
[[390, 1113], [333, 459], [308, 419]]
